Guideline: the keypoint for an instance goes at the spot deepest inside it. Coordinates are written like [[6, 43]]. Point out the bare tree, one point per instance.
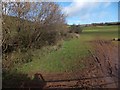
[[43, 21]]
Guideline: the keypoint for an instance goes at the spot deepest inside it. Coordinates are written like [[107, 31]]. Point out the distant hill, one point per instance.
[[102, 24]]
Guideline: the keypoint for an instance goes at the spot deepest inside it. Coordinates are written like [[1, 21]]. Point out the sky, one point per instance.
[[89, 12]]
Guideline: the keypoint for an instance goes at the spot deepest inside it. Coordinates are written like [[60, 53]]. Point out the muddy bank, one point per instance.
[[101, 70]]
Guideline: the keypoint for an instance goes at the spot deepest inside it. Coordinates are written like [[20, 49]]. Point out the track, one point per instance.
[[101, 71]]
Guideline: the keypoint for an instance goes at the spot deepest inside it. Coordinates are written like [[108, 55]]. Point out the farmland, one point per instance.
[[43, 47], [73, 59], [72, 52]]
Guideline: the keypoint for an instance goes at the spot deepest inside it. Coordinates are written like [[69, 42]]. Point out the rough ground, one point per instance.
[[101, 70]]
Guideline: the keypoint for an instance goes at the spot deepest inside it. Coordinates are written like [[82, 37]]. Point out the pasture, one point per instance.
[[71, 55]]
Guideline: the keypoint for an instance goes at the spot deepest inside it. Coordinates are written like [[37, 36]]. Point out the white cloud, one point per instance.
[[83, 10]]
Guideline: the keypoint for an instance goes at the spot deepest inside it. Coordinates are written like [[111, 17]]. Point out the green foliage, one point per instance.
[[23, 32], [75, 29], [70, 56], [34, 46], [64, 59], [16, 58]]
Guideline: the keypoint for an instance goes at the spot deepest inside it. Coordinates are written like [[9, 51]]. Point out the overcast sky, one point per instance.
[[90, 12]]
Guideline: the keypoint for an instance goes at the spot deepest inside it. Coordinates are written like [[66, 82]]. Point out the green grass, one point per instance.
[[102, 28], [65, 59], [70, 56], [100, 32]]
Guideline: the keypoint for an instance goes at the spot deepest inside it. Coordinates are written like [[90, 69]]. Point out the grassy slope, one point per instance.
[[69, 57], [65, 59]]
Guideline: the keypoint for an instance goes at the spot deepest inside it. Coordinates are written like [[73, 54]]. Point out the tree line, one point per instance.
[[36, 24]]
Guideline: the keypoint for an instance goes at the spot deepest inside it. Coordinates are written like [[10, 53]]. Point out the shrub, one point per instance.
[[75, 29]]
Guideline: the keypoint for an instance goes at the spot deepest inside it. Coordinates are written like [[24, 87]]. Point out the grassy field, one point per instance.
[[100, 32], [70, 56]]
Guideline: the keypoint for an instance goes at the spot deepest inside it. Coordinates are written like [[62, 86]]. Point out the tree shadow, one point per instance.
[[23, 81]]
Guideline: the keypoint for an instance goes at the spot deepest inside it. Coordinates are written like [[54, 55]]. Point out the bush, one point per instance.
[[26, 31], [75, 29], [15, 58], [23, 31]]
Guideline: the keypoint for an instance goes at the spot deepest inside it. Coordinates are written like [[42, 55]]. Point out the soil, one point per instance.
[[101, 70]]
